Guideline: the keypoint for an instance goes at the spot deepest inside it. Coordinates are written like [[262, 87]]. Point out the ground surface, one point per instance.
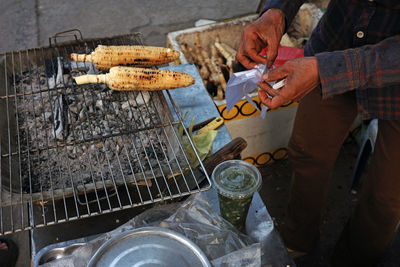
[[275, 192]]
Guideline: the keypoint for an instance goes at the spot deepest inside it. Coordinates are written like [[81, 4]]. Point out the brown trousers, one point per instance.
[[320, 129]]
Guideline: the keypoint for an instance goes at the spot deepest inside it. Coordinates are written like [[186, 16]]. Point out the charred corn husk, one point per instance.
[[130, 78], [105, 57]]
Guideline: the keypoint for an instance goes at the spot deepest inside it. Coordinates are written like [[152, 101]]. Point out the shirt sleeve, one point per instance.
[[369, 66], [288, 7]]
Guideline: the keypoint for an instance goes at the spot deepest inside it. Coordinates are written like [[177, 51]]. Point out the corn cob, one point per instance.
[[105, 57], [130, 78]]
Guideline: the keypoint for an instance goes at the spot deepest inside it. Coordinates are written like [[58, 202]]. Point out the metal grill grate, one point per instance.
[[69, 152]]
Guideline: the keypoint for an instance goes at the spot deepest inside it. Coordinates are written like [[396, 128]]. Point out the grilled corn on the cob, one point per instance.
[[130, 78], [105, 57]]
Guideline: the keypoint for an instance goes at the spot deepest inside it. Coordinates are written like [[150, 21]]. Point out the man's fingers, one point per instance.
[[266, 87], [245, 61], [254, 55], [272, 103], [277, 101], [272, 52], [275, 74], [264, 97]]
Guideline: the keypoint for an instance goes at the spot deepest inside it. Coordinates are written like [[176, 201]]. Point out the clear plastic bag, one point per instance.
[[241, 84], [196, 220], [215, 236], [249, 256]]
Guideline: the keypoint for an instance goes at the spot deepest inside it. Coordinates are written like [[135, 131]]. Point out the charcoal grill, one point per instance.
[[86, 147]]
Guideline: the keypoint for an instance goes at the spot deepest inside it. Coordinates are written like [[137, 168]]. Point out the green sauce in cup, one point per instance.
[[236, 181]]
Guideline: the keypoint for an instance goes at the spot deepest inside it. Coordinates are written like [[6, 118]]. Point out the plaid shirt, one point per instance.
[[357, 45]]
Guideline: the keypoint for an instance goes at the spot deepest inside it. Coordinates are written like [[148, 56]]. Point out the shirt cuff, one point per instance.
[[338, 72], [288, 7]]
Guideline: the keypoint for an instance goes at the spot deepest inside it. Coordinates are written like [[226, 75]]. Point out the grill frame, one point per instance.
[[17, 207]]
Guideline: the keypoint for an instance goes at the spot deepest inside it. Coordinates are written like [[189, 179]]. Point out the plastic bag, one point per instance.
[[242, 83], [215, 236], [196, 220], [249, 256]]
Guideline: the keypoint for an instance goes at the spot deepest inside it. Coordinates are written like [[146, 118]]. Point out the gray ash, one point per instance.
[[72, 135]]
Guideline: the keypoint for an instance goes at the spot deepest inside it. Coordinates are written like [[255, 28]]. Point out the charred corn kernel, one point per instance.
[[214, 124], [130, 78], [104, 57]]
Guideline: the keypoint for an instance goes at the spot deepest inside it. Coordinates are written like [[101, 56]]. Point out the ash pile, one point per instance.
[[72, 135]]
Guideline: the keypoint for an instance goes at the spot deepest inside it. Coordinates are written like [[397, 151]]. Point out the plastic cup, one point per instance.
[[236, 181]]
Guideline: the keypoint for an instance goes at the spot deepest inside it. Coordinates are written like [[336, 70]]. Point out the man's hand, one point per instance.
[[266, 30], [301, 76]]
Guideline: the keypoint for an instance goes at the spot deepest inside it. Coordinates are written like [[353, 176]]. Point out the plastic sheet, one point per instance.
[[242, 83], [194, 218], [249, 256]]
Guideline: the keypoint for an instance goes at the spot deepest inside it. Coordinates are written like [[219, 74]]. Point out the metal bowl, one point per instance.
[[149, 246], [57, 253]]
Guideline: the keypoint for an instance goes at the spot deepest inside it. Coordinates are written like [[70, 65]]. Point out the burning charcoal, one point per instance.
[[118, 149], [70, 99], [106, 126], [74, 119], [82, 115], [142, 98], [70, 139], [125, 105], [116, 108], [73, 109], [147, 121], [110, 117], [92, 148], [89, 102], [115, 105], [97, 130], [99, 104], [130, 116], [113, 124], [70, 149], [48, 116]]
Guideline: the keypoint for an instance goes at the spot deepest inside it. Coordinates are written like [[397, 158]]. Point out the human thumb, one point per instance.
[[274, 75]]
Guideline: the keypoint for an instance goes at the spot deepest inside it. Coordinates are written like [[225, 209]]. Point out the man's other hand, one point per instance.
[[267, 30], [301, 77]]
